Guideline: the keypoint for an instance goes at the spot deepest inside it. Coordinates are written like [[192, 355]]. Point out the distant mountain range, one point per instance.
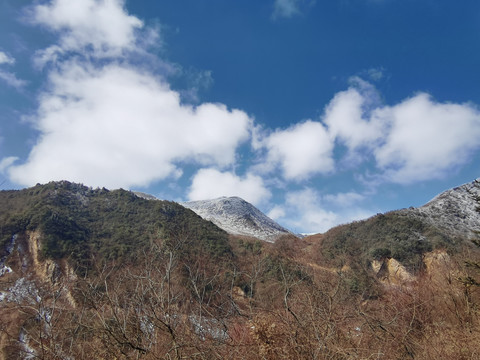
[[455, 212]]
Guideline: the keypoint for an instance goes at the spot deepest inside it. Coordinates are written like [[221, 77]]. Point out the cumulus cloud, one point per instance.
[[311, 217], [117, 127], [306, 210], [109, 123], [103, 28], [414, 140], [417, 139], [426, 139], [347, 123], [211, 183], [300, 151]]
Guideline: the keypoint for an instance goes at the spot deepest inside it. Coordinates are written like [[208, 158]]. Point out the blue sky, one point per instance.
[[317, 112]]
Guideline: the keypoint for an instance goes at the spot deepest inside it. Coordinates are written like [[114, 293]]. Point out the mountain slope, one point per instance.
[[456, 211], [160, 285], [80, 223], [236, 216], [449, 221]]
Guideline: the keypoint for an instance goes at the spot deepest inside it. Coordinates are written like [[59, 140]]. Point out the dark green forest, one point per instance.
[[82, 223]]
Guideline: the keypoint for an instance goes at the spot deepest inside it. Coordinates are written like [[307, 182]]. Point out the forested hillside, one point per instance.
[[91, 273], [81, 223]]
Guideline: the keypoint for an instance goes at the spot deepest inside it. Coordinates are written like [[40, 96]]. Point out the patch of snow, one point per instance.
[[207, 327], [147, 327], [144, 195], [22, 290], [4, 269], [236, 216], [27, 351]]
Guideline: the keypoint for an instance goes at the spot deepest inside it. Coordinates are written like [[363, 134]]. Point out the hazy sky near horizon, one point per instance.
[[317, 112]]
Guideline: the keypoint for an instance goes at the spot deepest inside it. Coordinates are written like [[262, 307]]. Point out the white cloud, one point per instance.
[[375, 74], [344, 199], [310, 216], [6, 59], [306, 210], [110, 123], [6, 162], [426, 139], [101, 28], [415, 140], [196, 81], [117, 127], [290, 8], [211, 183], [285, 8], [347, 116], [12, 80], [277, 212], [301, 151]]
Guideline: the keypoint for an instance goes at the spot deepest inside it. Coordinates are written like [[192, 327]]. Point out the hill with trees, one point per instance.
[[92, 273]]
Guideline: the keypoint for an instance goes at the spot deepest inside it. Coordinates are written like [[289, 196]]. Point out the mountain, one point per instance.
[[456, 211], [449, 221], [81, 223], [237, 216], [93, 273]]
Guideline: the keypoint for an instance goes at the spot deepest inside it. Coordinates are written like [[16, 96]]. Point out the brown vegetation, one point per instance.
[[267, 302], [152, 280]]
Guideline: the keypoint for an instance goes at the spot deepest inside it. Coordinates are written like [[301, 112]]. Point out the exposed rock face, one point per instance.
[[30, 269], [46, 270], [435, 260], [390, 271], [438, 267], [236, 216], [457, 211]]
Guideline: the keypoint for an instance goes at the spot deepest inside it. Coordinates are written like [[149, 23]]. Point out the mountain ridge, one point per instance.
[[456, 210], [164, 283], [81, 222], [238, 217], [450, 221]]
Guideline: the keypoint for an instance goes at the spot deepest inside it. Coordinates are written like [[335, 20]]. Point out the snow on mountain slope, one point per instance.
[[456, 210], [236, 216], [145, 196]]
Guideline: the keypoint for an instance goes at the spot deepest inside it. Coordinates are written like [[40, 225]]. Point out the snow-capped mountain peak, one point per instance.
[[456, 210], [237, 216]]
